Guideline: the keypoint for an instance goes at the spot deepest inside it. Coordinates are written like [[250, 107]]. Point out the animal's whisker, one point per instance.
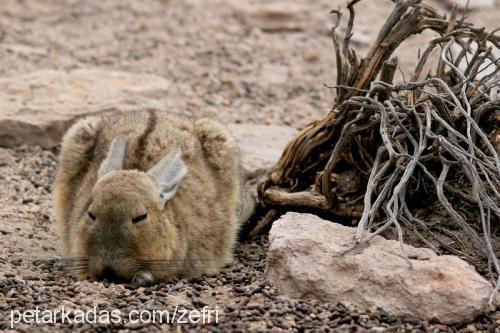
[[76, 267], [171, 266], [79, 266], [164, 268], [76, 259], [77, 271], [75, 264], [158, 266], [175, 261]]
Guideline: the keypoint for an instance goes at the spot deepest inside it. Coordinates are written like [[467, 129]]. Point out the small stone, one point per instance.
[[28, 200], [239, 289], [199, 302], [161, 294], [471, 328], [274, 16], [495, 315], [311, 55]]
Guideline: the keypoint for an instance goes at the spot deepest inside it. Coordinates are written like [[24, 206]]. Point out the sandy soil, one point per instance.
[[217, 63]]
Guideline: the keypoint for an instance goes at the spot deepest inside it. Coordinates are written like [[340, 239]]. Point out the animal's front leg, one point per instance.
[[143, 279]]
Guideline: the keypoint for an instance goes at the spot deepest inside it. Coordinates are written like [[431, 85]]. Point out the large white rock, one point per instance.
[[303, 263], [37, 108]]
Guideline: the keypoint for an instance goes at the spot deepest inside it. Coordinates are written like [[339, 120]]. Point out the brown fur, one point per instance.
[[196, 229]]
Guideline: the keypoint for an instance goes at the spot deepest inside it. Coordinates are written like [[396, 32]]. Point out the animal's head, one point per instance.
[[125, 231]]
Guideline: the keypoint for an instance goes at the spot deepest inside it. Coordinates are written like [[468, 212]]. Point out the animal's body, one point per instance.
[[147, 196]]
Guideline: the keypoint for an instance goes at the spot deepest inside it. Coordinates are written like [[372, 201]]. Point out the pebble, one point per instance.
[[239, 289], [161, 294], [199, 302], [28, 200], [311, 55]]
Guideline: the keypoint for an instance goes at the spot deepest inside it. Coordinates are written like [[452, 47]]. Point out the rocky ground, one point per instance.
[[220, 56]]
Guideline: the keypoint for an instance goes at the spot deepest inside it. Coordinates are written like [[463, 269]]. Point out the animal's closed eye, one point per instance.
[[139, 218], [92, 216]]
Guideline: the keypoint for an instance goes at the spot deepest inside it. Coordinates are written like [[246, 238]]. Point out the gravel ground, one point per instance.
[[217, 63], [32, 276]]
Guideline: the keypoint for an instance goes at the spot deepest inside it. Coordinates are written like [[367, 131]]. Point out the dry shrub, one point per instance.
[[387, 152]]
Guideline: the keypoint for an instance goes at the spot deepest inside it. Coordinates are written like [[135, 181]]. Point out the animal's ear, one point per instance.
[[114, 159], [168, 173]]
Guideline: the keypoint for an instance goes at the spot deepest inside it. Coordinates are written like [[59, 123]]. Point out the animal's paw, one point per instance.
[[143, 279]]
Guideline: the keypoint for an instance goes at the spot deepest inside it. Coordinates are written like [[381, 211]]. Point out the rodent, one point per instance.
[[147, 196]]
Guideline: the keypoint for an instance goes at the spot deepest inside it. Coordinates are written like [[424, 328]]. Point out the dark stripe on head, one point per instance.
[[140, 149]]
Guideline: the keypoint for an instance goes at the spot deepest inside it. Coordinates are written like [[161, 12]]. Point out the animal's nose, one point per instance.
[[108, 273]]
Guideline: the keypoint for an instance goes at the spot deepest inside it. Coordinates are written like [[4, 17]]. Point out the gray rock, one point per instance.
[[303, 263], [37, 108], [260, 145]]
